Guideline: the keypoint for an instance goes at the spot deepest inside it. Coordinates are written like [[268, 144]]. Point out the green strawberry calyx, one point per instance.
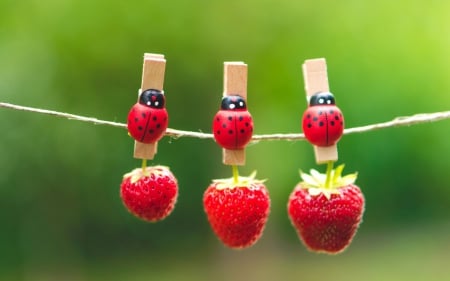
[[138, 173], [238, 181], [328, 183]]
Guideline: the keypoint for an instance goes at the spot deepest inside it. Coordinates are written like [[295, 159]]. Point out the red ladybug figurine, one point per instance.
[[323, 122], [148, 118], [233, 124]]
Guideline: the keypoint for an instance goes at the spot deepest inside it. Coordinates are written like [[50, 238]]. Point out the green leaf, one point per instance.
[[315, 182]]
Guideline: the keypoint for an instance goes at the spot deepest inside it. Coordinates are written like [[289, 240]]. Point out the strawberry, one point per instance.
[[237, 209], [149, 193], [326, 213]]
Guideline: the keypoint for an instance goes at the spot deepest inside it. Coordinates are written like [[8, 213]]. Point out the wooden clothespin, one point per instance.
[[234, 83], [152, 78], [316, 80]]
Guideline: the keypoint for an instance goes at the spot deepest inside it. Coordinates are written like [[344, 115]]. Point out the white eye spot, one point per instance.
[[241, 103], [149, 103], [321, 100], [156, 103], [328, 102], [232, 106]]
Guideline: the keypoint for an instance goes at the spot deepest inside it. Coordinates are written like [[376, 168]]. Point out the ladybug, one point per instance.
[[148, 118], [233, 124], [323, 122]]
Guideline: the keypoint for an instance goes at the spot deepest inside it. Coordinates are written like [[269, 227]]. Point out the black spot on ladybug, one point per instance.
[[151, 131], [136, 119], [230, 132], [331, 111], [308, 116], [230, 118], [336, 118], [158, 125], [218, 119], [342, 123], [143, 115], [242, 131], [140, 128], [320, 112], [309, 125], [315, 118], [218, 132], [241, 118], [332, 123], [320, 123], [155, 118], [247, 124], [224, 125]]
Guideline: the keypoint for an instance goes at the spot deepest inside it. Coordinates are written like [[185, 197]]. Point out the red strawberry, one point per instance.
[[237, 211], [149, 195], [326, 217]]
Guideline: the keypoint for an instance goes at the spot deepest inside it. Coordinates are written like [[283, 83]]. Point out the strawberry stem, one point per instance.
[[235, 174], [144, 166], [328, 174]]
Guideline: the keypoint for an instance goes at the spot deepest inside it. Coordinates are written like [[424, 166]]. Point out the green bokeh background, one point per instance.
[[60, 212]]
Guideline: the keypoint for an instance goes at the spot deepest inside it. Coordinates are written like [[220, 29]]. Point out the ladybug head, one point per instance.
[[322, 99], [233, 102], [152, 98]]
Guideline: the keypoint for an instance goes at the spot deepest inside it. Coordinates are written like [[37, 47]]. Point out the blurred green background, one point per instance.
[[60, 212]]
